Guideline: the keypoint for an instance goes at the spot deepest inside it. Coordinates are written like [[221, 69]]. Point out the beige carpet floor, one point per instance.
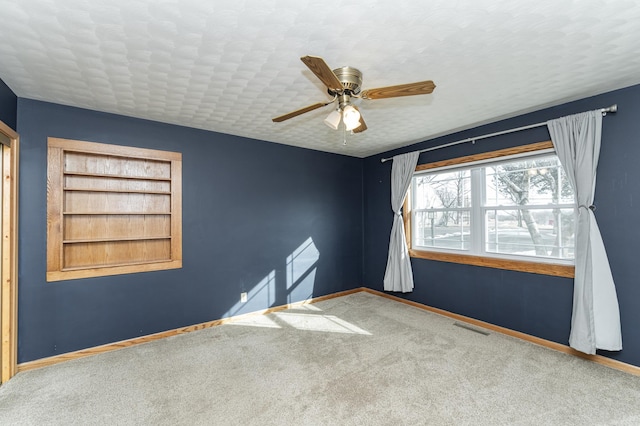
[[359, 359]]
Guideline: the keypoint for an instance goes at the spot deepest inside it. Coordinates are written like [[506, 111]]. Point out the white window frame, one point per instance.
[[477, 254]]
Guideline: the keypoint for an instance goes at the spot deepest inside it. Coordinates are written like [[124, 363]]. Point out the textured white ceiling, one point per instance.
[[230, 66]]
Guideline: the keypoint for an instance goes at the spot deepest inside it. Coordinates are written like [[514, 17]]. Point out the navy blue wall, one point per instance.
[[8, 106], [538, 305], [252, 212]]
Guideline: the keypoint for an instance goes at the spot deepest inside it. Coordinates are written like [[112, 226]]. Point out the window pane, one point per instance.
[[531, 232], [448, 229], [443, 190], [537, 181]]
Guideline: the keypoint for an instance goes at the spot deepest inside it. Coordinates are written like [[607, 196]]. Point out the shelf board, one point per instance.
[[106, 175], [121, 191], [111, 265], [111, 240], [116, 213]]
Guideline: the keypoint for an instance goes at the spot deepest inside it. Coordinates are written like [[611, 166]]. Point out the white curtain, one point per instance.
[[398, 276], [595, 322]]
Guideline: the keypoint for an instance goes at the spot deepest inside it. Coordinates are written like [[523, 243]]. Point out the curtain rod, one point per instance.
[[604, 111]]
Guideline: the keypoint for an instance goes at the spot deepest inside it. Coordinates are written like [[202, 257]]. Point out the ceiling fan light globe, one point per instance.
[[333, 119], [351, 117], [351, 127]]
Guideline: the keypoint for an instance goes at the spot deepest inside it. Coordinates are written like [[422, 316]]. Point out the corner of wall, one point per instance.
[[8, 106]]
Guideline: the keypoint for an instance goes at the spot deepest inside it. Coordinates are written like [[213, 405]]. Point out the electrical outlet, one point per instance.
[[243, 297]]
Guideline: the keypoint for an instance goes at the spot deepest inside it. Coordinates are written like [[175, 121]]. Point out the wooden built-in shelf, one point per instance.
[[112, 209]]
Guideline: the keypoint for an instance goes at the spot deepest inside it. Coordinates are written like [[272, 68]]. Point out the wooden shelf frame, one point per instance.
[[90, 233]]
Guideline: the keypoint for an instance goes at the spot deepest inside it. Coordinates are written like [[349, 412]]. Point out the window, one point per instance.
[[112, 210], [510, 209]]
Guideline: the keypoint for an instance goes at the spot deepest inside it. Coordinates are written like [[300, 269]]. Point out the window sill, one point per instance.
[[490, 262]]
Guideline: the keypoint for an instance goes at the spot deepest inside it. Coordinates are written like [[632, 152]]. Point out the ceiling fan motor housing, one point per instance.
[[351, 79]]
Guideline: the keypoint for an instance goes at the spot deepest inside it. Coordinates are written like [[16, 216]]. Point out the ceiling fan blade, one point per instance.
[[363, 126], [320, 68], [297, 112], [419, 88]]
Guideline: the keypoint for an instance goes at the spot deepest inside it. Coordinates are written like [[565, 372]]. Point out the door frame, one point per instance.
[[9, 257]]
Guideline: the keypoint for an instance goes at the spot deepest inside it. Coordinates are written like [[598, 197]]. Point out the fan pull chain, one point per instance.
[[344, 135]]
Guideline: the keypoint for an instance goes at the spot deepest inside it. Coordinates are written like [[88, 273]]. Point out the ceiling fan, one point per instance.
[[344, 84]]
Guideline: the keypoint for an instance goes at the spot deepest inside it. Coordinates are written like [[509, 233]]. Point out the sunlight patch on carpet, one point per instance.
[[324, 323], [256, 321]]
